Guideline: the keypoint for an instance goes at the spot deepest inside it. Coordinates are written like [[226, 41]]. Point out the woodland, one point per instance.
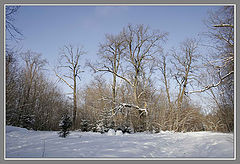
[[137, 87]]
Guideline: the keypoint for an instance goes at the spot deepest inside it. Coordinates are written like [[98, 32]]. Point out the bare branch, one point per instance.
[[63, 80], [212, 85], [109, 70]]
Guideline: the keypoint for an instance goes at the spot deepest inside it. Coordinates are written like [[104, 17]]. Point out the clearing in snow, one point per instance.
[[23, 143]]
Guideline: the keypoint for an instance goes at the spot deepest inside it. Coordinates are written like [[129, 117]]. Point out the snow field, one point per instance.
[[22, 143]]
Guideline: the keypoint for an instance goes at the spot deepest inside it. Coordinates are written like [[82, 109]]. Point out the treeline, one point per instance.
[[32, 100], [149, 89]]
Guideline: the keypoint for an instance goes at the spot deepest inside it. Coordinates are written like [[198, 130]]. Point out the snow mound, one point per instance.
[[10, 129], [111, 132], [166, 132], [119, 133]]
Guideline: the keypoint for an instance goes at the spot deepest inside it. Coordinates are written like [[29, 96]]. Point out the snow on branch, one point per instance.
[[213, 85], [121, 106], [223, 25]]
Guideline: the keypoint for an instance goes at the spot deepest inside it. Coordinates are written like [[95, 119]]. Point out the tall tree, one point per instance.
[[221, 33], [33, 65], [162, 66], [184, 66], [220, 25], [140, 45], [143, 44], [111, 53], [69, 68]]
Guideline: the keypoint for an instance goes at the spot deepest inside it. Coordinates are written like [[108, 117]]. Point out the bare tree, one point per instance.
[[184, 66], [69, 64], [10, 12], [138, 46], [29, 82], [162, 66], [221, 61], [111, 54], [142, 46], [168, 111], [221, 32], [33, 66]]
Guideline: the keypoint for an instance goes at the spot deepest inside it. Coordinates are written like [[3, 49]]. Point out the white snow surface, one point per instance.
[[119, 133], [111, 132], [23, 143]]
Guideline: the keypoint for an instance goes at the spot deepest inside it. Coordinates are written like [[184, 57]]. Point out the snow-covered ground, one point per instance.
[[22, 143]]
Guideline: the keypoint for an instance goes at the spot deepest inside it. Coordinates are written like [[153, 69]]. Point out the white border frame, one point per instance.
[[143, 159]]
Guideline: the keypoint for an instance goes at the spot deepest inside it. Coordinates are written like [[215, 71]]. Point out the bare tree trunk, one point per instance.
[[135, 95], [164, 72], [115, 69], [69, 60], [114, 92], [74, 101], [184, 66]]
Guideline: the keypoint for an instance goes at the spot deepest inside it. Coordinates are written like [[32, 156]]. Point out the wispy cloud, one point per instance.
[[110, 10], [101, 13], [90, 23]]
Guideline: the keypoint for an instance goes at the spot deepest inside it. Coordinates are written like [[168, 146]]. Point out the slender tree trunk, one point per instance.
[[185, 81], [74, 102], [114, 92], [166, 83], [114, 81]]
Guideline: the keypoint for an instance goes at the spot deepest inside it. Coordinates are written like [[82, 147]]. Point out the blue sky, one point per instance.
[[48, 28]]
